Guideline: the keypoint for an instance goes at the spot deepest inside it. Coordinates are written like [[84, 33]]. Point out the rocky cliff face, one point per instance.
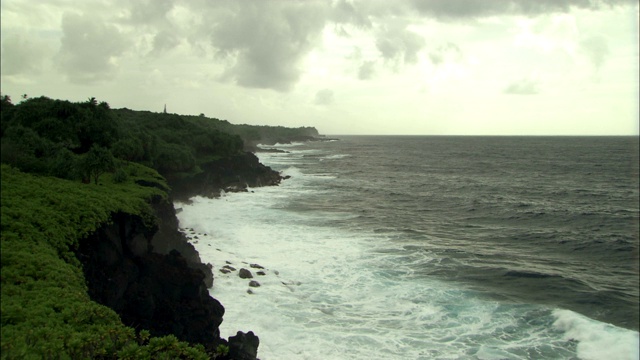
[[235, 173], [157, 292], [165, 293], [168, 238], [153, 278]]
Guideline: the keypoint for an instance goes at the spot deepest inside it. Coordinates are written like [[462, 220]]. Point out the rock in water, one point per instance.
[[243, 346], [245, 274], [229, 267]]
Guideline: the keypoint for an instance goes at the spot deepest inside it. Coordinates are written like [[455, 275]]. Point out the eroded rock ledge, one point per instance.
[[235, 173], [153, 277], [157, 291]]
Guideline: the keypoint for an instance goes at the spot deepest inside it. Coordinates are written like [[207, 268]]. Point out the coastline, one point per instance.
[[88, 220], [138, 271]]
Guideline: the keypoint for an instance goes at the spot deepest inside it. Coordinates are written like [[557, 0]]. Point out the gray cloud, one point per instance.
[[324, 97], [596, 49], [150, 11], [165, 40], [89, 48], [367, 70], [266, 41], [345, 12], [400, 45], [20, 55], [445, 53], [479, 8], [523, 86]]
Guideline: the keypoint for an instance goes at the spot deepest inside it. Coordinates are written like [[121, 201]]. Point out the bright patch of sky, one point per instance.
[[476, 67]]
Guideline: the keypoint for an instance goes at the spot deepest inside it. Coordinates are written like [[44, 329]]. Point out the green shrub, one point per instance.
[[46, 310], [120, 176], [65, 165]]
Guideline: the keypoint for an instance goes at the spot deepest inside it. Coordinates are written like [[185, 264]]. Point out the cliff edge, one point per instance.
[[81, 277]]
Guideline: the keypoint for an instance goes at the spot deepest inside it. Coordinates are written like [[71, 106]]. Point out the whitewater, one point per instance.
[[331, 286]]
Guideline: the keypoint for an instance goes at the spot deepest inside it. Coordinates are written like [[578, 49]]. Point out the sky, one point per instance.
[[402, 67]]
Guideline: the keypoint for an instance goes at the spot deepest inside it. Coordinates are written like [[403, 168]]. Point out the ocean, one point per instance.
[[419, 247]]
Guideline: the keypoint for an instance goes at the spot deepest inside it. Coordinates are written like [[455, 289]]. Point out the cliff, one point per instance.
[[83, 265], [234, 173], [80, 273], [157, 292], [167, 238], [153, 278]]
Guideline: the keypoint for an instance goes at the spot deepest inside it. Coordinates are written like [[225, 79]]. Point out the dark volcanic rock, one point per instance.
[[243, 346], [269, 150], [168, 238], [254, 283], [245, 274], [158, 292], [234, 173]]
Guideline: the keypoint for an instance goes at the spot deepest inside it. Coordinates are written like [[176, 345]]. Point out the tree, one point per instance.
[[96, 162]]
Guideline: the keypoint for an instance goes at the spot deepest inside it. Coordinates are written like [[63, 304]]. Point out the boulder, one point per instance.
[[243, 346], [245, 274]]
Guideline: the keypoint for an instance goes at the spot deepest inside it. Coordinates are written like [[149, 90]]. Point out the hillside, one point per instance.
[[93, 265]]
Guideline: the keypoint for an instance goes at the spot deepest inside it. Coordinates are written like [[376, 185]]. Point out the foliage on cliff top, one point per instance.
[[170, 143], [54, 137], [46, 310], [255, 134]]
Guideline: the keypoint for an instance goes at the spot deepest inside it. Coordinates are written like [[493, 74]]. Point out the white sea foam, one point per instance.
[[279, 145], [597, 340], [333, 293]]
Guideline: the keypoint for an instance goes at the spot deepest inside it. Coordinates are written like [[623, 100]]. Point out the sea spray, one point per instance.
[[346, 281], [597, 340]]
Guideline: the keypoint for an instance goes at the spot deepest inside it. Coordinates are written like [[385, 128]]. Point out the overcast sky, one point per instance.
[[484, 67]]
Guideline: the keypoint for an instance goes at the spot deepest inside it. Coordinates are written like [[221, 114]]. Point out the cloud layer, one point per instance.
[[406, 59], [89, 49]]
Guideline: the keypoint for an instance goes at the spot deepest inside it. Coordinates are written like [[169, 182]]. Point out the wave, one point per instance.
[[279, 145], [597, 340], [359, 265], [530, 274], [343, 295]]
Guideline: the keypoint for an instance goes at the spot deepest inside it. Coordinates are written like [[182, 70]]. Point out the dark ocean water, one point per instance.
[[549, 220], [437, 248]]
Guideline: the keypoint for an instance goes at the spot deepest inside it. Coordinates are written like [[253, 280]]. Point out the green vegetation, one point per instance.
[[46, 312], [73, 140], [50, 152], [50, 137], [96, 162], [254, 134], [170, 143]]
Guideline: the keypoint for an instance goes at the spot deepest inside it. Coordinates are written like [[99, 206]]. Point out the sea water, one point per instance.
[[432, 248]]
